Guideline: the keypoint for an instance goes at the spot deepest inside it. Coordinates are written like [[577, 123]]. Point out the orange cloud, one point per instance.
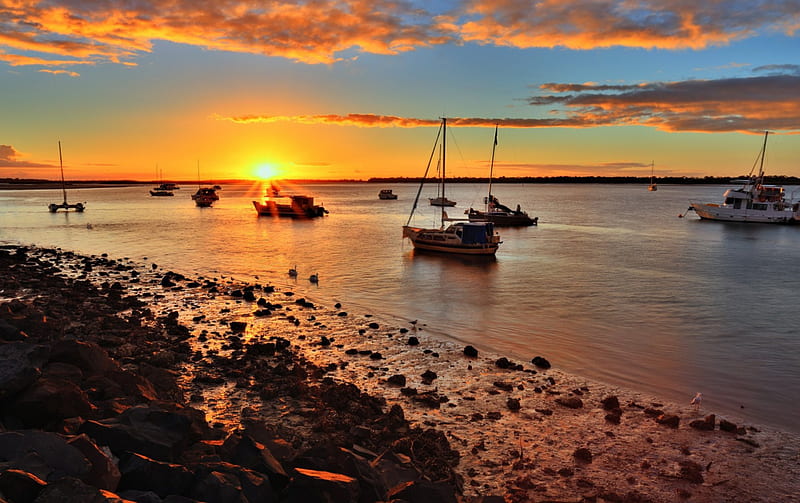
[[749, 104], [326, 31]]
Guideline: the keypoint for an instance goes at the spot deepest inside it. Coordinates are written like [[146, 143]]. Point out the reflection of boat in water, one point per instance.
[[461, 237], [53, 207], [497, 213], [294, 206], [752, 202], [386, 194], [205, 197]]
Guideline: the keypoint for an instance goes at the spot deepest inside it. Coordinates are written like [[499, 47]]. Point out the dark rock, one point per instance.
[[541, 362], [9, 332], [707, 424], [397, 380], [505, 386], [316, 485], [470, 352], [46, 455], [413, 341], [614, 416], [88, 356], [725, 425], [374, 326], [243, 450], [610, 403], [20, 366], [428, 376], [582, 455], [423, 491], [238, 327], [143, 473], [691, 471], [20, 486], [103, 473], [71, 489], [668, 420], [513, 403], [48, 401], [502, 363], [571, 402]]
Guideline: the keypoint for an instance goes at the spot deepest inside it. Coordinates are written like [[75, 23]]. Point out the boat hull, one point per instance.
[[502, 219], [442, 202], [437, 240], [722, 213], [275, 209], [79, 207]]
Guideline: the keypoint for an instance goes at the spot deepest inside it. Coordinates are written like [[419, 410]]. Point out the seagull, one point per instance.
[[697, 399], [293, 272], [314, 278]]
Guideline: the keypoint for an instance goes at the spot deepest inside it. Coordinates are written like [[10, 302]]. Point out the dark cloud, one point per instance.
[[8, 159]]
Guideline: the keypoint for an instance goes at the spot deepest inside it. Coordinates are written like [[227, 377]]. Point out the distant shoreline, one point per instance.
[[37, 184]]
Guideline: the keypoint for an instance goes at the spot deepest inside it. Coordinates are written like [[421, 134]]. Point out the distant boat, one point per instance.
[[461, 237], [753, 201], [205, 196], [294, 206], [497, 213], [160, 191], [53, 207], [386, 194], [652, 187]]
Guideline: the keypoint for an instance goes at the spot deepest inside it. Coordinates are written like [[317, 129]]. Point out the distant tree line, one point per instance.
[[678, 180]]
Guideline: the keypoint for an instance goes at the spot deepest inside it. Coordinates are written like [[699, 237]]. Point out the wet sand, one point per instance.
[[523, 431]]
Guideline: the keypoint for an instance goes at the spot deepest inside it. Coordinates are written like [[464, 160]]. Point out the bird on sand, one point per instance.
[[698, 398], [314, 278], [293, 272]]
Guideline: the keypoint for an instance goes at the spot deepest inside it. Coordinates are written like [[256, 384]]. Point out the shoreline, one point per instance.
[[522, 431]]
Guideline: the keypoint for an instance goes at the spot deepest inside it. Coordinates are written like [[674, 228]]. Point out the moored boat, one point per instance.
[[753, 201], [53, 207], [294, 206], [497, 213], [205, 197], [386, 194], [460, 237], [160, 192]]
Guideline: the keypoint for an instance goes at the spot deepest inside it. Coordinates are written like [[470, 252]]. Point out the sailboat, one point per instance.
[[205, 196], [440, 199], [163, 189], [652, 187], [496, 212], [461, 237], [53, 207], [753, 201]]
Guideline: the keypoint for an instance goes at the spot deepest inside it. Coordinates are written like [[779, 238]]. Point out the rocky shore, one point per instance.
[[123, 382]]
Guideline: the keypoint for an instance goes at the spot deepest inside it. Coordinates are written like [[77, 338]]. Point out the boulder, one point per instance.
[[244, 451], [541, 362], [72, 489], [89, 357], [20, 486], [146, 474], [103, 473], [20, 366], [48, 401], [423, 491], [45, 455], [315, 485], [470, 352], [571, 402], [707, 423]]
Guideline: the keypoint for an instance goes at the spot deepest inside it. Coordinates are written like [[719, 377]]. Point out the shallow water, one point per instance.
[[611, 284]]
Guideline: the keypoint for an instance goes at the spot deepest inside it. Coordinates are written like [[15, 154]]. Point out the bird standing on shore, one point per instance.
[[698, 398], [293, 272], [314, 278]]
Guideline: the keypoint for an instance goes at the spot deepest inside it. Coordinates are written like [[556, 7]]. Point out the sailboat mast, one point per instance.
[[491, 168], [444, 163], [61, 163], [763, 154]]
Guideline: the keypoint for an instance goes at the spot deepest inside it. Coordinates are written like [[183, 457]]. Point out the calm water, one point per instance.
[[611, 284]]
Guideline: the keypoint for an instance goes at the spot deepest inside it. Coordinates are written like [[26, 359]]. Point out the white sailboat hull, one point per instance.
[[721, 212], [448, 241]]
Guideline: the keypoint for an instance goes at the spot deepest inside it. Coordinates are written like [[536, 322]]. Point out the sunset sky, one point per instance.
[[328, 89]]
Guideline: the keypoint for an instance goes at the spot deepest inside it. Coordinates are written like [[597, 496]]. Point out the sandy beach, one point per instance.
[[523, 431]]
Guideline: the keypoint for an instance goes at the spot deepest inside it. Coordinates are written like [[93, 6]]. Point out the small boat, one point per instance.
[[205, 197], [441, 201], [169, 186], [497, 213], [161, 192], [460, 237], [53, 207], [652, 187], [752, 201], [386, 194], [294, 206]]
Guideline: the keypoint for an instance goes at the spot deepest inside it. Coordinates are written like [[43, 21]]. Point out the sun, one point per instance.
[[265, 171]]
